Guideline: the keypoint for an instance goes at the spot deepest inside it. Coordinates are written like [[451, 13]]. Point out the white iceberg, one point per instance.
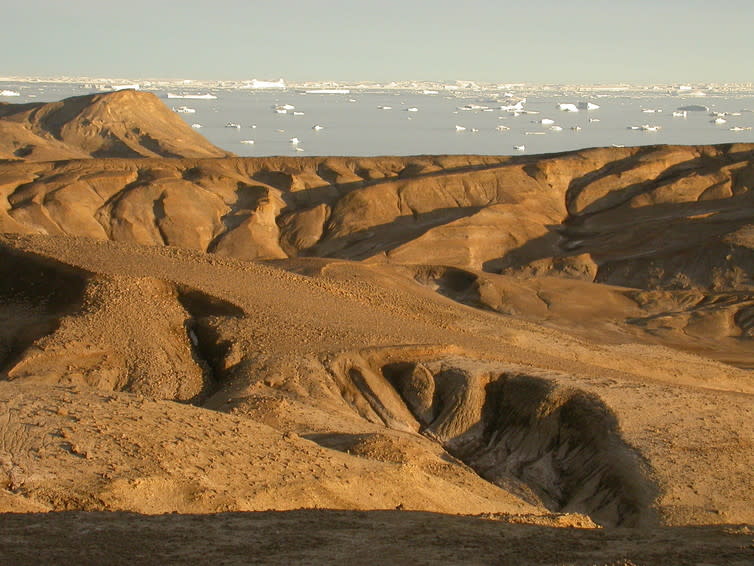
[[567, 107]]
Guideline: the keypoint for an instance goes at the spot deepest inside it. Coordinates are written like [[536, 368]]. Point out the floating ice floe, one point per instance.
[[248, 142], [576, 128], [184, 110], [298, 113], [412, 109], [651, 110], [719, 120], [556, 128], [328, 91], [385, 107], [233, 125], [680, 113], [206, 96], [502, 128], [546, 121], [196, 126], [317, 127], [116, 88], [515, 106], [294, 141], [648, 128], [567, 107], [594, 120], [9, 93], [519, 147], [739, 129], [534, 133], [460, 128]]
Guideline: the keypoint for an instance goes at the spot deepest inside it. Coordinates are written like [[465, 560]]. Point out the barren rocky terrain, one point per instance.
[[467, 354]]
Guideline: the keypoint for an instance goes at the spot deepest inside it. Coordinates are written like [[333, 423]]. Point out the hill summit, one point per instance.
[[124, 123]]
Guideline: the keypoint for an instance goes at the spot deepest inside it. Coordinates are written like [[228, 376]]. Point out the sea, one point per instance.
[[374, 122]]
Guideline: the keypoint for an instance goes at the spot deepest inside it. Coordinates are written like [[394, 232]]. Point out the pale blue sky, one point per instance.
[[540, 41]]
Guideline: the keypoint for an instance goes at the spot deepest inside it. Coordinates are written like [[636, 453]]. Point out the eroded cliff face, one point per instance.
[[640, 217]]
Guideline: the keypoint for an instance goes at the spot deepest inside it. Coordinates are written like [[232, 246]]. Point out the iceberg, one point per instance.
[[125, 87], [567, 107], [517, 106], [9, 93], [255, 84]]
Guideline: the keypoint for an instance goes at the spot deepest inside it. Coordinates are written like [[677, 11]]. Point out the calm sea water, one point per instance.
[[354, 124]]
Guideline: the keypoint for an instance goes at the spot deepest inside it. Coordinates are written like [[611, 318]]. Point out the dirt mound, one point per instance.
[[125, 123]]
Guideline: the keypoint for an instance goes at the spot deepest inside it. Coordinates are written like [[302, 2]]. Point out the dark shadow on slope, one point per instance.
[[206, 314], [386, 237], [35, 293], [564, 443]]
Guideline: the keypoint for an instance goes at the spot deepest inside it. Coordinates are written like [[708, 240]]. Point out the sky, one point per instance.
[[533, 41]]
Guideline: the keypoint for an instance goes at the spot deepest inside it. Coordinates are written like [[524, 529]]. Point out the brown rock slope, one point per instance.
[[340, 385], [125, 123], [647, 244]]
